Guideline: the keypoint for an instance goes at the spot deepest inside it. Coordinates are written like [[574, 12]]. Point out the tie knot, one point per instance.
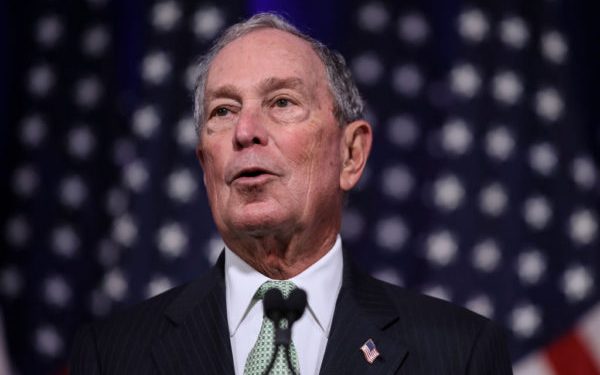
[[283, 285]]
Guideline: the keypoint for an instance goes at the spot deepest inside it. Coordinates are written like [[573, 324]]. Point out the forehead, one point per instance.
[[263, 54]]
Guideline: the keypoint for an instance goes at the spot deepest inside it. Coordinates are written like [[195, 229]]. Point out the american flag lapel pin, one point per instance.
[[370, 351]]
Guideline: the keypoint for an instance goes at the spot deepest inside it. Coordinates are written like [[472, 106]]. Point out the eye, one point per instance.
[[221, 112], [282, 103]]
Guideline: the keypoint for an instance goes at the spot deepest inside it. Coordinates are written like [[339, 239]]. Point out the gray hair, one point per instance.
[[348, 105]]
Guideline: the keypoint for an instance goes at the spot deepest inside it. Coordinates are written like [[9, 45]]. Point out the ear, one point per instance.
[[355, 148]]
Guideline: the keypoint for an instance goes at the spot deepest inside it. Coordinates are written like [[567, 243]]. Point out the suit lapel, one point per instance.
[[362, 312], [196, 340]]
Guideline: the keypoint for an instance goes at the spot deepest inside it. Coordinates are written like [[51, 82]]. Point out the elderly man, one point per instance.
[[281, 140]]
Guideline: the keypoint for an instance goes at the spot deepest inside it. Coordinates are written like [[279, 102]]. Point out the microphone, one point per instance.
[[274, 305], [277, 308], [296, 303]]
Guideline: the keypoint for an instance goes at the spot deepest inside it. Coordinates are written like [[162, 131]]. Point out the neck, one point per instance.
[[282, 257]]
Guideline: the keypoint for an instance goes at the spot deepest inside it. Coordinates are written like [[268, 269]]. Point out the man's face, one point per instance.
[[270, 146]]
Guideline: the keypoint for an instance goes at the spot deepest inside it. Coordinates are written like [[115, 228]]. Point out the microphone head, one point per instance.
[[274, 304], [296, 303]]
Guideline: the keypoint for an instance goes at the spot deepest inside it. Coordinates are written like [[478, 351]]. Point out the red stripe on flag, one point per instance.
[[569, 356]]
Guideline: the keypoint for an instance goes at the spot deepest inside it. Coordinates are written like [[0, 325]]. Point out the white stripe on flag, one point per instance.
[[589, 332], [533, 364]]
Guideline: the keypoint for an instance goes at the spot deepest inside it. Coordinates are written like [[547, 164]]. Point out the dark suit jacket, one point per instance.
[[184, 331]]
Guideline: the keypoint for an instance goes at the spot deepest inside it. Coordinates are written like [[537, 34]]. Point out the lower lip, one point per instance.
[[255, 180]]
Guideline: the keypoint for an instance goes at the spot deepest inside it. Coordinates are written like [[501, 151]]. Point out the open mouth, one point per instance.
[[251, 173]]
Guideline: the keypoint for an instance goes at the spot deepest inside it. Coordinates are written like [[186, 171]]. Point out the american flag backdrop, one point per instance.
[[483, 187]]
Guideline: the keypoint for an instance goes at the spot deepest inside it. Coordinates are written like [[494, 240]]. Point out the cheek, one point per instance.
[[212, 173], [321, 157], [327, 146], [307, 149]]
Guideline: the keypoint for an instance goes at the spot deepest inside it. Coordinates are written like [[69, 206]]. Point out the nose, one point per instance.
[[250, 130]]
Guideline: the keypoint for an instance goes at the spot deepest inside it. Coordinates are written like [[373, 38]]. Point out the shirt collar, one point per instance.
[[321, 281]]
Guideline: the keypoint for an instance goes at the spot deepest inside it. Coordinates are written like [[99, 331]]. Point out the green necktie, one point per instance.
[[260, 355]]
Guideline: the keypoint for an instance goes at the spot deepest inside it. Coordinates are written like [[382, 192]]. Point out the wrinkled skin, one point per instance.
[[276, 163]]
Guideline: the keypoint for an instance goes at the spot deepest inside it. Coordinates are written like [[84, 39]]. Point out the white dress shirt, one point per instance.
[[321, 281]]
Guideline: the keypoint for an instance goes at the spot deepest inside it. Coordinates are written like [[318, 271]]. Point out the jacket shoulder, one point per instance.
[[106, 345], [420, 307], [441, 335], [147, 317], [122, 343], [140, 317]]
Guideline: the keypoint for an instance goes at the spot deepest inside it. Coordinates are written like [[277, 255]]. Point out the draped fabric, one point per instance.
[[482, 187]]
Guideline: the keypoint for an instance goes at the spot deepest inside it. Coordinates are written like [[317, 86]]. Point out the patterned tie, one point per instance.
[[260, 355]]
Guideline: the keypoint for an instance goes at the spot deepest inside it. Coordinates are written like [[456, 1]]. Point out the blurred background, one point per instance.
[[483, 187]]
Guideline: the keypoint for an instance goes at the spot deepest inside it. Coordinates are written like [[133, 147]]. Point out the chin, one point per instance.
[[258, 224]]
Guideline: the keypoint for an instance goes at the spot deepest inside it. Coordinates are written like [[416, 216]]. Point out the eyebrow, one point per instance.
[[265, 86], [226, 91], [274, 83]]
